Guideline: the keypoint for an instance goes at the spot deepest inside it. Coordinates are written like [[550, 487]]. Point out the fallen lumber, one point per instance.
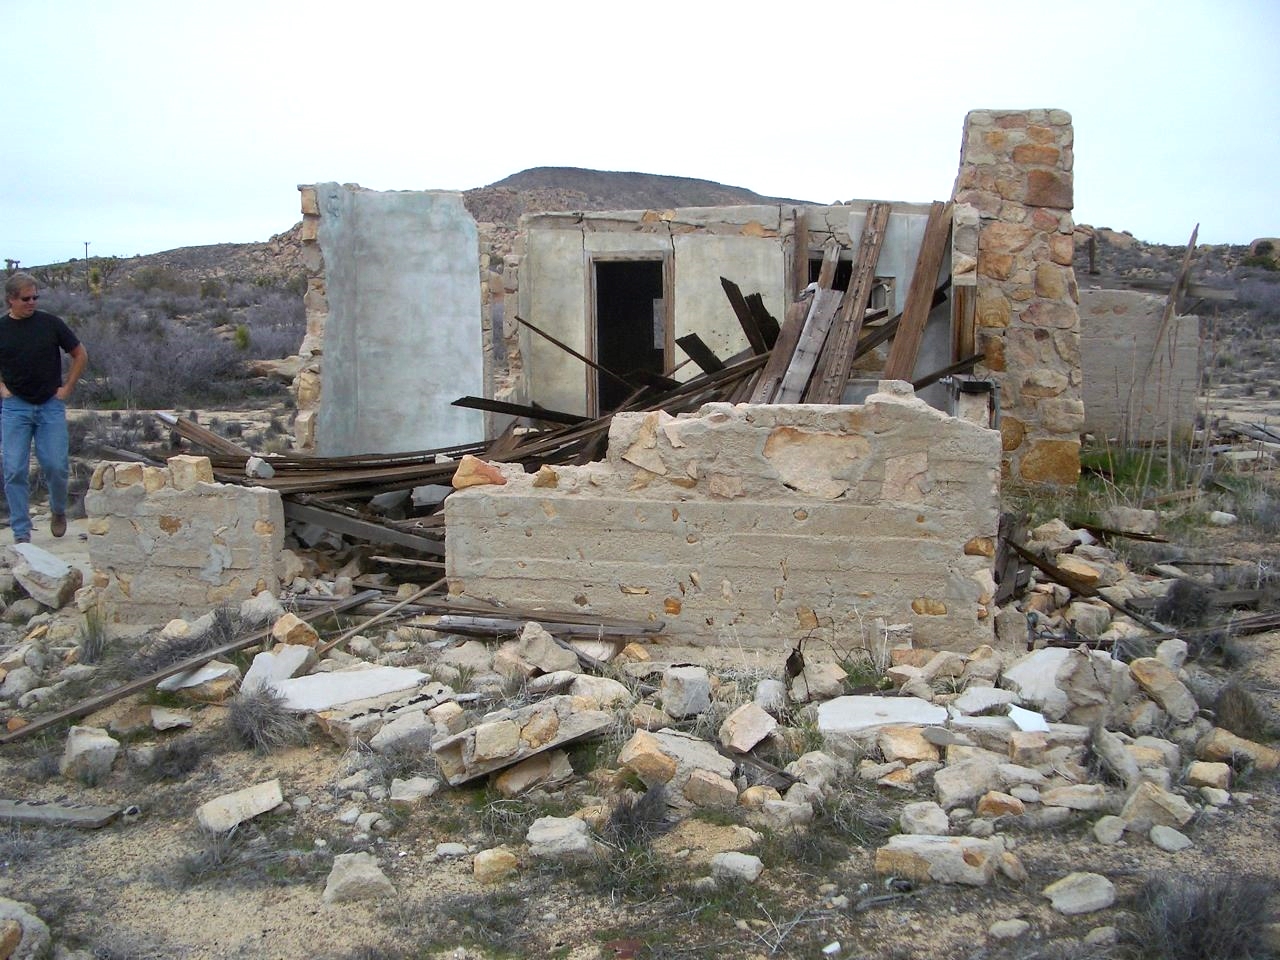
[[57, 813]]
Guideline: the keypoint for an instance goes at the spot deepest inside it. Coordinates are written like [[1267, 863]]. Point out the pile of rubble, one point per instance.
[[970, 745]]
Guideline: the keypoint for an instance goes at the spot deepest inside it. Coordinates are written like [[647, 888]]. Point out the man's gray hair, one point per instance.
[[18, 282]]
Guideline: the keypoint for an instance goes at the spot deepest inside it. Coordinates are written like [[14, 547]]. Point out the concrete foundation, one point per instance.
[[167, 542], [752, 525], [1135, 391]]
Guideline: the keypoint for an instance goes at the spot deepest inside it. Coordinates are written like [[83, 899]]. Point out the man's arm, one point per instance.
[[79, 359]]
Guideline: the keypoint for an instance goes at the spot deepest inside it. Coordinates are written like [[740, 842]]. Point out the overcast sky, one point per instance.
[[141, 126]]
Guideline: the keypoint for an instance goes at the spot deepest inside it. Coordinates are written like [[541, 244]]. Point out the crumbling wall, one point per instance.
[[168, 542], [1015, 171], [752, 525], [394, 309], [1135, 388]]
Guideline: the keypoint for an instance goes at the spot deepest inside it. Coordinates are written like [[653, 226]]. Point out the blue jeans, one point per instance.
[[23, 424]]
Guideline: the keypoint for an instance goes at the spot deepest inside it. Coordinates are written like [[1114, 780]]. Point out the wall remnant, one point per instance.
[[752, 525], [1137, 379], [392, 279], [168, 542], [1015, 171]]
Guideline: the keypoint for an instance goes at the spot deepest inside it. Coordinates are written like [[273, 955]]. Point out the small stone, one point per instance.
[[490, 866], [924, 818], [1008, 929], [735, 866], [1108, 830], [231, 809], [356, 876], [1081, 893], [1168, 839], [686, 690]]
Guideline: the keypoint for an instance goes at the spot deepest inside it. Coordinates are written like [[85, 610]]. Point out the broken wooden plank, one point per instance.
[[530, 411], [822, 312], [965, 315], [765, 321], [755, 336], [915, 312], [837, 357], [780, 356], [700, 353], [485, 626], [331, 519], [203, 436], [98, 701], [57, 813], [575, 354]]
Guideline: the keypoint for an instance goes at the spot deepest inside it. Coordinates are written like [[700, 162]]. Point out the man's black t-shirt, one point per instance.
[[30, 357]]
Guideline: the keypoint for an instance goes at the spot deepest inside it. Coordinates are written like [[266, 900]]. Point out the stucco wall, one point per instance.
[[1118, 330], [752, 525], [396, 292]]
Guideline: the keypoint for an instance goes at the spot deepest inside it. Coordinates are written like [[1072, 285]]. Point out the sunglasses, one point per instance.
[[29, 299]]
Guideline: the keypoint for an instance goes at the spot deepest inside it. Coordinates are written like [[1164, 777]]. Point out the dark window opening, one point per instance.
[[844, 273], [630, 329]]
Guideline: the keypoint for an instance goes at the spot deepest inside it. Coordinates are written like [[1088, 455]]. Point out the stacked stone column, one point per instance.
[[1015, 171]]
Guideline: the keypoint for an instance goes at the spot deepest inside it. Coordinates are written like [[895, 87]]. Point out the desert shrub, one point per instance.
[[1185, 605], [1215, 919], [175, 759], [1237, 710], [260, 721], [635, 819]]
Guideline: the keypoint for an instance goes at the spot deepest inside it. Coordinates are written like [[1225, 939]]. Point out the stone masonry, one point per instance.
[[751, 525], [168, 542], [1015, 171]]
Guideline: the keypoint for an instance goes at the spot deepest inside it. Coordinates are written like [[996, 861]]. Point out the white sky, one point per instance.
[[141, 126]]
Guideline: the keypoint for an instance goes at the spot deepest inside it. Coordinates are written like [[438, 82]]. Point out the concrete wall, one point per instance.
[[1015, 172], [751, 525], [394, 308], [168, 542], [1123, 397]]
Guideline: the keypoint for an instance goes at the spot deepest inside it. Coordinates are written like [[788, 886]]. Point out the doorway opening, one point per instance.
[[630, 326]]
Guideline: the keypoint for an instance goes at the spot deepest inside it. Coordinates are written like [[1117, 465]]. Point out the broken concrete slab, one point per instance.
[[88, 754], [63, 813], [232, 809], [213, 681], [861, 717], [282, 662], [506, 737], [325, 691]]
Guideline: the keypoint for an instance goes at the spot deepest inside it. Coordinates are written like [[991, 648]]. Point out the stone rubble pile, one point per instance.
[[963, 746]]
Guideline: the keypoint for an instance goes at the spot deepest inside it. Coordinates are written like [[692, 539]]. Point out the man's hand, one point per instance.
[[4, 391], [62, 393]]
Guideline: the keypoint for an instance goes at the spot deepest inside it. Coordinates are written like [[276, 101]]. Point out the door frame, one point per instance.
[[592, 321]]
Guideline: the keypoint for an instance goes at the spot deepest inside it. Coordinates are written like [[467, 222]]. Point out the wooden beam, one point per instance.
[[85, 707], [968, 363], [531, 412], [755, 336], [837, 357], [574, 353], [353, 526], [915, 313], [700, 353], [799, 252], [45, 813], [964, 318]]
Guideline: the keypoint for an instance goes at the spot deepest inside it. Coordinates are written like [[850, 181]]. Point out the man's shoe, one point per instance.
[[22, 539], [58, 526]]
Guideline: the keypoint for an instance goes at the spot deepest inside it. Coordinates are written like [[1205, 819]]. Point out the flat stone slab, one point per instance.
[[857, 716], [506, 737], [324, 691], [213, 670], [80, 815], [232, 809]]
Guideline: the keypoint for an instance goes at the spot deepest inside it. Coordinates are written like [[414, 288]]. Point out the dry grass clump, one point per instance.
[[1217, 919], [260, 721], [1185, 605], [176, 759], [635, 819], [1237, 710]]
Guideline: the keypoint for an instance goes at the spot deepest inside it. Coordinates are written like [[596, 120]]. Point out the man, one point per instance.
[[31, 346]]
